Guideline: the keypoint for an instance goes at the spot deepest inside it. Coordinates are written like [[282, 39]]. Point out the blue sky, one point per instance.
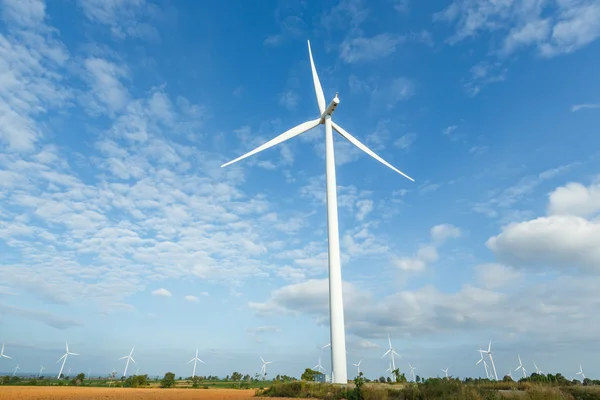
[[118, 227]]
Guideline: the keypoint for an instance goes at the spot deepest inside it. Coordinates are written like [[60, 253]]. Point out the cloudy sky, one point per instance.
[[118, 227]]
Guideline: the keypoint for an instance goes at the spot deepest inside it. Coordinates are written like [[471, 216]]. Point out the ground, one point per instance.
[[97, 393]]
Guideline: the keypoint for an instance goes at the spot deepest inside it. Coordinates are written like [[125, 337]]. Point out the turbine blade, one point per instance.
[[295, 131], [390, 341], [74, 354], [5, 356], [61, 358], [318, 88], [131, 358], [122, 358], [190, 361], [364, 148], [386, 353], [201, 361], [262, 359]]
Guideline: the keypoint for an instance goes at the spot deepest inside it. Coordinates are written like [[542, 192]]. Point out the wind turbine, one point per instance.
[[581, 373], [509, 373], [69, 372], [537, 370], [487, 374], [412, 371], [489, 353], [521, 367], [336, 303], [128, 357], [41, 369], [195, 360], [391, 352], [137, 371], [89, 372], [64, 358], [2, 353], [319, 367], [263, 369], [16, 369], [357, 365], [445, 371]]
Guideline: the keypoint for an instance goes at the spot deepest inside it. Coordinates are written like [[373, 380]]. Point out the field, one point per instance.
[[97, 393]]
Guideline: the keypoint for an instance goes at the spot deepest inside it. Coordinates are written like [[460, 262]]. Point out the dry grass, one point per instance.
[[97, 393]]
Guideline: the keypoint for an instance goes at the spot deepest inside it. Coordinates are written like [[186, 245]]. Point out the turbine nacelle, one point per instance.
[[330, 108]]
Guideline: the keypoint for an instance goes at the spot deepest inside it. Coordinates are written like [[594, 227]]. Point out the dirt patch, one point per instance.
[[95, 393]]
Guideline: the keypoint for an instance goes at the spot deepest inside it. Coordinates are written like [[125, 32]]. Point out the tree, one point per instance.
[[399, 376], [236, 376], [309, 375], [418, 379], [168, 380], [78, 380], [381, 379], [388, 380]]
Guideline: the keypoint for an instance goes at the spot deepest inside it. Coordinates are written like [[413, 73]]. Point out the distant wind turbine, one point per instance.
[[509, 373], [357, 365], [537, 370], [336, 303], [89, 372], [16, 369], [487, 374], [581, 373], [391, 352], [128, 357], [489, 353], [319, 367], [195, 360], [412, 371], [445, 371], [263, 369], [521, 367], [41, 369], [64, 358], [69, 372], [2, 355]]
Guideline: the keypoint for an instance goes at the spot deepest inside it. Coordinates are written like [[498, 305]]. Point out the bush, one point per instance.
[[168, 380], [136, 381]]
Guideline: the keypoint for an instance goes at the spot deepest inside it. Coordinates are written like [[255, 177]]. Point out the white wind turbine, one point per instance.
[[537, 370], [195, 360], [509, 373], [336, 304], [263, 369], [357, 365], [412, 371], [319, 367], [391, 352], [487, 374], [2, 355], [128, 357], [69, 372], [581, 373], [16, 369], [64, 358], [41, 369], [521, 367], [445, 371], [89, 373], [489, 353]]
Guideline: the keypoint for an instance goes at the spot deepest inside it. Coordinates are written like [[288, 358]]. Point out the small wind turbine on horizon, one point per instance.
[[89, 372], [16, 369], [445, 371], [487, 374], [412, 371], [489, 353], [263, 369], [581, 373], [69, 372], [336, 303], [391, 352], [319, 367], [509, 373], [2, 355], [537, 370], [521, 367], [41, 369], [357, 365], [195, 360], [64, 358], [128, 357]]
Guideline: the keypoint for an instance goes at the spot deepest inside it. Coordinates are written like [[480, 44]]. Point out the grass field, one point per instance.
[[104, 393]]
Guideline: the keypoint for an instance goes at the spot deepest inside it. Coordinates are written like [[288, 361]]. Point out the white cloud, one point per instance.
[[191, 299], [289, 99], [441, 233], [578, 107], [364, 207], [496, 276], [161, 292], [575, 199], [107, 91], [405, 141], [428, 254], [368, 49]]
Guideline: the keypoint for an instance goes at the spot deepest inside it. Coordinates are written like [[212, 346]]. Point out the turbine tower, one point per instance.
[[195, 360], [2, 355], [128, 357], [336, 303], [489, 353], [357, 365], [391, 352], [521, 367], [64, 358], [412, 371], [41, 369], [487, 374]]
